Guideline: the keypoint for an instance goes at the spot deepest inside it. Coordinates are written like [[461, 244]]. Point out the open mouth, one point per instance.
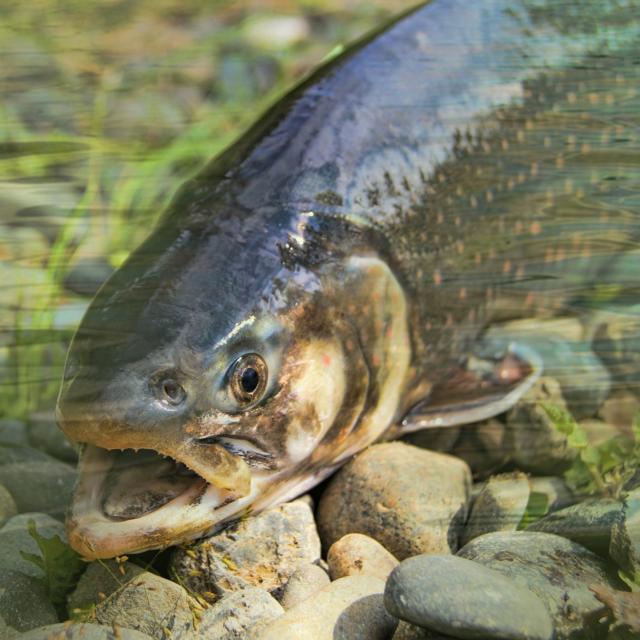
[[130, 500]]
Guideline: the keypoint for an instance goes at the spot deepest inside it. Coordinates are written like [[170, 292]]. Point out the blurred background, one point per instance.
[[105, 109]]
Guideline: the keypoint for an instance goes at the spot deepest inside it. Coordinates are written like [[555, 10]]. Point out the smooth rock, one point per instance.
[[347, 609], [263, 551], [500, 506], [13, 433], [557, 493], [8, 507], [305, 582], [233, 616], [44, 487], [588, 523], [24, 603], [625, 535], [44, 434], [356, 554], [484, 447], [557, 570], [537, 445], [18, 454], [87, 275], [99, 581], [461, 598], [408, 499], [152, 605], [440, 439], [620, 410], [15, 538], [83, 631], [7, 632], [408, 631]]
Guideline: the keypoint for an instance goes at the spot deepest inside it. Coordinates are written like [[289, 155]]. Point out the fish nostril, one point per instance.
[[171, 392]]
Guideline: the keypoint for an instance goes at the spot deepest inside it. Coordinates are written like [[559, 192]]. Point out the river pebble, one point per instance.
[[356, 554], [44, 434], [150, 604], [86, 275], [484, 447], [8, 507], [305, 582], [233, 616], [44, 487], [83, 631], [588, 523], [24, 603], [620, 409], [557, 570], [464, 599], [99, 581], [408, 631], [262, 551], [625, 535], [346, 609], [19, 454], [500, 506], [13, 433], [537, 445], [556, 492], [377, 494]]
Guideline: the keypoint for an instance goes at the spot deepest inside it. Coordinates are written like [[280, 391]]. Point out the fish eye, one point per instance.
[[248, 378], [172, 392]]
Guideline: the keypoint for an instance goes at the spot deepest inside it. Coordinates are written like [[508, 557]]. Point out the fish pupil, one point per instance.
[[249, 380], [173, 391]]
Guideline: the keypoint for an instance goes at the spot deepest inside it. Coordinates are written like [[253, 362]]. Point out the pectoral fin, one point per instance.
[[480, 389]]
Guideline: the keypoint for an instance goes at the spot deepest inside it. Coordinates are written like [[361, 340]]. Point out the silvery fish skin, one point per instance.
[[309, 290]]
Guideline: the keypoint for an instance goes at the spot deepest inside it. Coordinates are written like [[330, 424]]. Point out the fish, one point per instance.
[[326, 281]]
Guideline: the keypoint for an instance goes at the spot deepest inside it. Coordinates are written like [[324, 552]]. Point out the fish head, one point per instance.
[[202, 389]]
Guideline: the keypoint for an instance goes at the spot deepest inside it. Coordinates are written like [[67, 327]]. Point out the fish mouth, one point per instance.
[[132, 500]]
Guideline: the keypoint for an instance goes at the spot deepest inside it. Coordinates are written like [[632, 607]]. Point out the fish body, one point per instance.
[[322, 280]]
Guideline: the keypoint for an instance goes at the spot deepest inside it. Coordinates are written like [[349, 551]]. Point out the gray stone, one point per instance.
[[461, 598], [14, 538], [620, 410], [83, 631], [7, 632], [356, 554], [99, 581], [484, 446], [86, 275], [19, 454], [263, 551], [625, 535], [408, 631], [346, 609], [44, 487], [537, 445], [588, 523], [152, 605], [379, 495], [500, 506], [440, 439], [305, 582], [45, 435], [24, 603], [557, 570], [8, 507], [233, 616], [13, 433]]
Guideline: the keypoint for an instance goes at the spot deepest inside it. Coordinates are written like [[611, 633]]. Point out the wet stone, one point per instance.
[[83, 631], [346, 609], [24, 603], [233, 616], [484, 447], [556, 492], [437, 439], [152, 605], [356, 554], [500, 506], [557, 570], [377, 494], [8, 507], [87, 275], [537, 445], [588, 523], [44, 487], [305, 582], [461, 598], [620, 410], [625, 535], [261, 551], [99, 581], [18, 454], [45, 435], [408, 631], [13, 433]]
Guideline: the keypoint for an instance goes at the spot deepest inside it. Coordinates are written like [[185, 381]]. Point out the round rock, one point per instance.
[[500, 506], [410, 500], [346, 609], [8, 507], [305, 582], [461, 598], [625, 535], [24, 603], [484, 446], [557, 570], [356, 554], [83, 631]]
